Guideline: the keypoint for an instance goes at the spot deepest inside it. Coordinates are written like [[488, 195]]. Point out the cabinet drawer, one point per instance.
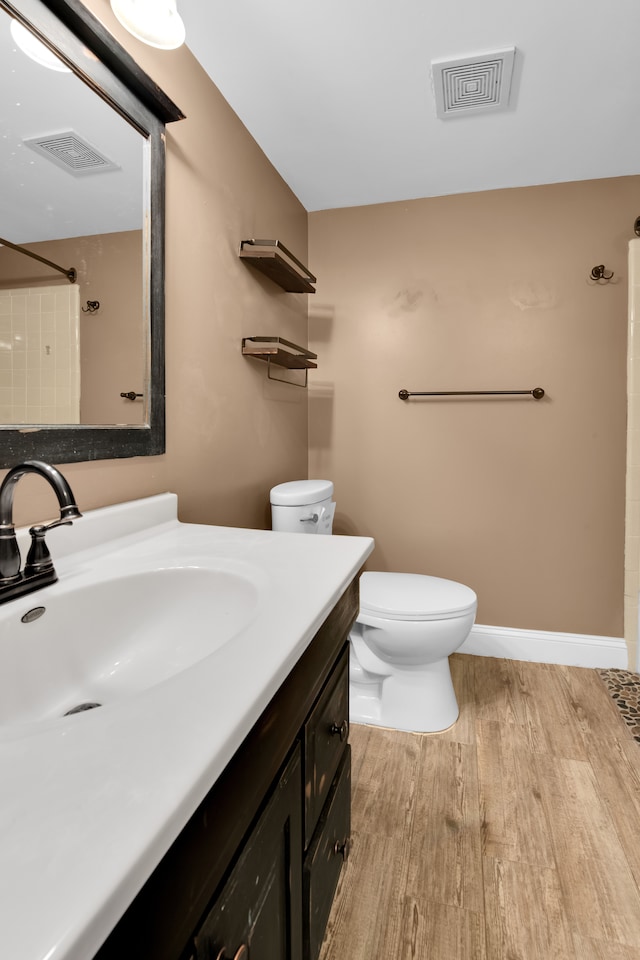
[[325, 739], [323, 862]]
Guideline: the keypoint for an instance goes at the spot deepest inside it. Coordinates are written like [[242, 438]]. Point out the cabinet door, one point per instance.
[[257, 915], [325, 737]]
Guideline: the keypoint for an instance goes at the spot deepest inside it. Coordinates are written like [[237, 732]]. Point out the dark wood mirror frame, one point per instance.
[[71, 30]]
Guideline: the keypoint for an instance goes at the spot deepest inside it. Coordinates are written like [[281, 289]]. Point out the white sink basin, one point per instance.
[[100, 642]]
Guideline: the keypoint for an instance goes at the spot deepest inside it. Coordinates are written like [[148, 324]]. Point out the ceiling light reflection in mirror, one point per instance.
[[35, 49], [79, 202]]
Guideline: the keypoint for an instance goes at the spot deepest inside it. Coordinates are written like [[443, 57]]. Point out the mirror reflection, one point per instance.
[[72, 192]]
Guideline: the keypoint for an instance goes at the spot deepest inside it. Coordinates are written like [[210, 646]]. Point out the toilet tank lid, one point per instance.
[[413, 596], [297, 493]]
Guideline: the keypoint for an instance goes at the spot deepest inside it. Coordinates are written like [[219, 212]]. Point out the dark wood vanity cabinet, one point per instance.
[[253, 874]]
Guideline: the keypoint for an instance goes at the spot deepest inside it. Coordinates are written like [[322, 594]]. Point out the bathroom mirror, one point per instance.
[[104, 218]]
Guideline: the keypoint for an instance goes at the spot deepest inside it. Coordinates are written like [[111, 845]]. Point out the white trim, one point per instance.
[[541, 646]]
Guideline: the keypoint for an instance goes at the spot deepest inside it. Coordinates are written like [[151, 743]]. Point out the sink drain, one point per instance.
[[81, 707]]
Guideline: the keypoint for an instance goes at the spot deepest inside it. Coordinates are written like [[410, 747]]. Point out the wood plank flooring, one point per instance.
[[515, 835]]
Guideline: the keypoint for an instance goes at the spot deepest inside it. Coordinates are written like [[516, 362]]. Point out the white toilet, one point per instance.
[[407, 627], [302, 506]]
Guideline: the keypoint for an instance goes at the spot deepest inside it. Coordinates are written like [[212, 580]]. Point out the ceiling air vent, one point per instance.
[[473, 84], [72, 153]]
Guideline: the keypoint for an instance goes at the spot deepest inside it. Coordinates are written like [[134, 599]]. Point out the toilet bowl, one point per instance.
[[407, 627]]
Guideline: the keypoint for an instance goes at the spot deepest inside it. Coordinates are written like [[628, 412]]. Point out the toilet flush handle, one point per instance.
[[312, 519]]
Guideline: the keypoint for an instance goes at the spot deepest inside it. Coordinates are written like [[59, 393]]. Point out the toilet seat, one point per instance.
[[413, 596]]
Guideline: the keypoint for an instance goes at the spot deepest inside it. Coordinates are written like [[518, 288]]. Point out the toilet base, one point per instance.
[[417, 700]]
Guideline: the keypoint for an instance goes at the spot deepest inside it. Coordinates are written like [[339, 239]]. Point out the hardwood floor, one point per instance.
[[515, 835]]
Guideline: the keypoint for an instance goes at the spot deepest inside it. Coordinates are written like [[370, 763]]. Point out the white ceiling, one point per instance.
[[38, 200], [338, 92]]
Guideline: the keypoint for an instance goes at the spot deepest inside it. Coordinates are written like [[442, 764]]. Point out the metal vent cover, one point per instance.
[[473, 84], [69, 151]]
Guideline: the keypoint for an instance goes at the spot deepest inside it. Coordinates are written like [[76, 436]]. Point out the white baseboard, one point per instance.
[[541, 646]]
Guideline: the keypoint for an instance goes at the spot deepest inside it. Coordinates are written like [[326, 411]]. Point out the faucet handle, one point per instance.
[[38, 558], [42, 528]]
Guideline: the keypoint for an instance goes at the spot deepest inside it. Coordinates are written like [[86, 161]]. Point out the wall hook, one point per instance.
[[600, 272], [92, 306]]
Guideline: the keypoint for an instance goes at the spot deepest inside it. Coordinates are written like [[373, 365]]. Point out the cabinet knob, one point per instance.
[[342, 729], [242, 953], [343, 847]]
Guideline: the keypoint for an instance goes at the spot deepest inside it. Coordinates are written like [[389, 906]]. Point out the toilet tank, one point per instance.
[[302, 506]]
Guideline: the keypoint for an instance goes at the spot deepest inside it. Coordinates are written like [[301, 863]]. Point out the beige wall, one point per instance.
[[113, 339], [230, 433], [521, 499]]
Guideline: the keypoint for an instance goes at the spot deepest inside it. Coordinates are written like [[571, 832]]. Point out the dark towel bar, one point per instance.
[[537, 393]]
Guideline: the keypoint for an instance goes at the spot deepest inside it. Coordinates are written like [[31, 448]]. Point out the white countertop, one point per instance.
[[89, 804]]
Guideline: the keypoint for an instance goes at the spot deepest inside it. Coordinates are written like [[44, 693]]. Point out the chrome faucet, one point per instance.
[[38, 569]]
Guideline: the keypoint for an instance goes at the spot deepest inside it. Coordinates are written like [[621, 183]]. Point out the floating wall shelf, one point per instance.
[[273, 259], [281, 353]]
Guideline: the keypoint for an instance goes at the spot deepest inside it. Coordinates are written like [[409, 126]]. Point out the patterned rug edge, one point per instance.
[[623, 687]]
